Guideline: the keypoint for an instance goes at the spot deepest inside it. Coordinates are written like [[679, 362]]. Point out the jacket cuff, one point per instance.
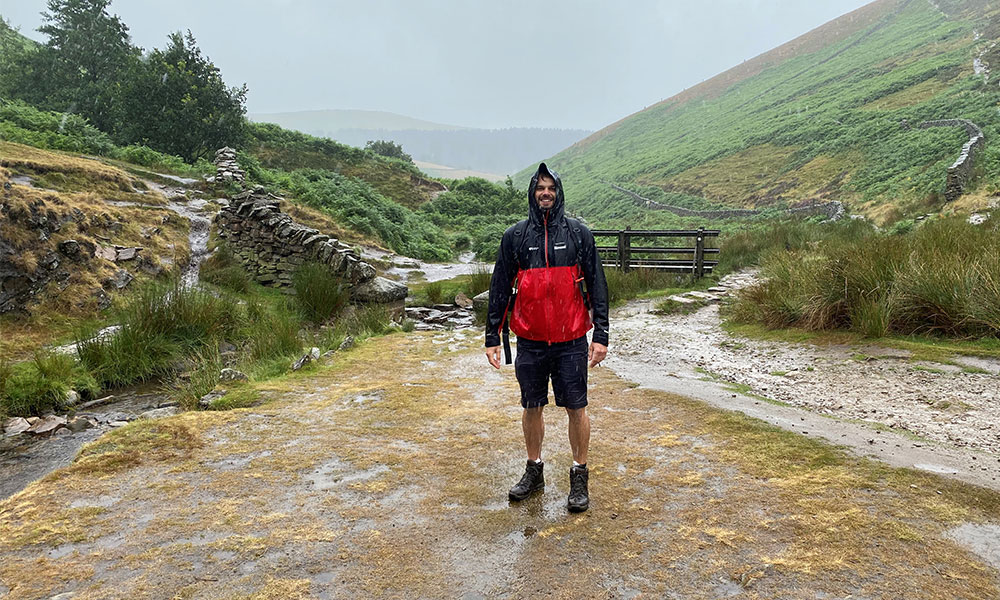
[[492, 339], [600, 337]]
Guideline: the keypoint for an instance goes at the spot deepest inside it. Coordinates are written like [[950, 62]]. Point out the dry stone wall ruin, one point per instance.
[[227, 170], [833, 210], [272, 247], [960, 173]]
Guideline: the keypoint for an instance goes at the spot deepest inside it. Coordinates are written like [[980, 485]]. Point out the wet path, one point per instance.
[[384, 474], [879, 401]]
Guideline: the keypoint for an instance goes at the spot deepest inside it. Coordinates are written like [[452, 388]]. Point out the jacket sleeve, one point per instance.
[[500, 288], [597, 287]]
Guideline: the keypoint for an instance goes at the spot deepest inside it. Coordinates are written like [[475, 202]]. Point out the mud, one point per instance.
[[384, 474], [878, 401]]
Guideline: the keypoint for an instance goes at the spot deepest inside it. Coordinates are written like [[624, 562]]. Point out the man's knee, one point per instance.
[[577, 414]]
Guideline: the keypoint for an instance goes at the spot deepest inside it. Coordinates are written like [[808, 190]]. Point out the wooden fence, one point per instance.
[[649, 255]]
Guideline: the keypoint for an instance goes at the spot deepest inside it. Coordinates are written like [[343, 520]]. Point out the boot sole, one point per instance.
[[515, 498], [577, 508]]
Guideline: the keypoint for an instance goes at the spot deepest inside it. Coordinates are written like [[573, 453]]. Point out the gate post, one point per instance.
[[627, 245], [699, 253]]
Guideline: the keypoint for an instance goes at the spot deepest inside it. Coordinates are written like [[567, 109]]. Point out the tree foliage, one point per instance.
[[80, 67], [178, 102], [388, 148], [173, 100]]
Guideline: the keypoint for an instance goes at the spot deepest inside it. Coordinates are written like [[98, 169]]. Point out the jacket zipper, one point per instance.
[[547, 320]]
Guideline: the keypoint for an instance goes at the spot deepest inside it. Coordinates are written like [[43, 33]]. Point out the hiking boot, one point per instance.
[[579, 500], [532, 481]]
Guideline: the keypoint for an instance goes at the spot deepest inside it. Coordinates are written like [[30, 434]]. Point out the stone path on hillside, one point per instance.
[[384, 474]]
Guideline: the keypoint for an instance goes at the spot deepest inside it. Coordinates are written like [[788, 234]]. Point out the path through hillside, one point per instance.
[[384, 474]]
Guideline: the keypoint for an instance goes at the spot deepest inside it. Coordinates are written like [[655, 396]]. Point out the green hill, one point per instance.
[[819, 118]]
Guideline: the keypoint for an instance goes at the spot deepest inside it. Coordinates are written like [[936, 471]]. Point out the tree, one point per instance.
[[79, 68], [388, 148], [178, 102]]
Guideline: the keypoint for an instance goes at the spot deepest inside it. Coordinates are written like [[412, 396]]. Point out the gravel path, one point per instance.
[[940, 417]]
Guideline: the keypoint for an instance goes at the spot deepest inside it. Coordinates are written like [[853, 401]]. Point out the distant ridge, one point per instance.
[[493, 153], [332, 120]]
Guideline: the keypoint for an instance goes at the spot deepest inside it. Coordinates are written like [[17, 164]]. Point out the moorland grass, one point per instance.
[[320, 293], [942, 278]]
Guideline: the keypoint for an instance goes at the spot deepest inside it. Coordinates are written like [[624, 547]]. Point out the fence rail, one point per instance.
[[624, 256]]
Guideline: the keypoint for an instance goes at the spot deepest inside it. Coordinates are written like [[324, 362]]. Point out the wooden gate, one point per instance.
[[638, 249]]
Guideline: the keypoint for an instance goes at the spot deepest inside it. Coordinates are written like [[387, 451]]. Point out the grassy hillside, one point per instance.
[[816, 119], [397, 180]]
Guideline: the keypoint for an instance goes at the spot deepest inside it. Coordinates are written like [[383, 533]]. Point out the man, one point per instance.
[[540, 271]]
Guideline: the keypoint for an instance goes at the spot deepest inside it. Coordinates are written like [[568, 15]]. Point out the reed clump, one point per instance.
[[942, 278]]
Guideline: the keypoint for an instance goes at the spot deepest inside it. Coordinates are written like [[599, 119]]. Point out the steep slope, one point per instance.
[[830, 115]]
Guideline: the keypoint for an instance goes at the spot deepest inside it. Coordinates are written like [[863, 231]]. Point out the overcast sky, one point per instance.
[[559, 63]]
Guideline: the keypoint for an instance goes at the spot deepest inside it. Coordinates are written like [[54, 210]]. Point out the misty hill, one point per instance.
[[498, 151], [833, 114], [325, 123]]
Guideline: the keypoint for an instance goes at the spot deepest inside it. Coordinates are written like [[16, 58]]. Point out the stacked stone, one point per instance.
[[960, 173], [272, 246], [226, 168]]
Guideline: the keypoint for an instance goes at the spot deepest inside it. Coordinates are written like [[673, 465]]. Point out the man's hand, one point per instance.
[[597, 353], [493, 355]]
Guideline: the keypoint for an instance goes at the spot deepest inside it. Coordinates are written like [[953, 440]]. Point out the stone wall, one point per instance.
[[960, 173], [832, 210], [272, 246]]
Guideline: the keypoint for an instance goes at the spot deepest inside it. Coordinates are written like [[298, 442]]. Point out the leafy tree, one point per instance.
[[388, 148], [179, 104], [79, 68], [14, 52]]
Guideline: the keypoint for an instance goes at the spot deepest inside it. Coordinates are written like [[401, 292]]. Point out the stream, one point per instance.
[[25, 458]]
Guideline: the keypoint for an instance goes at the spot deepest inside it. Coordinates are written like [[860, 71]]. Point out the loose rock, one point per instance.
[[228, 374]]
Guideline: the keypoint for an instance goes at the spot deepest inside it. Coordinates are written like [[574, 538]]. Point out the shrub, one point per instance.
[[319, 292]]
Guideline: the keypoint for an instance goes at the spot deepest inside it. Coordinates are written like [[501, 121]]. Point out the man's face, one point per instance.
[[545, 192]]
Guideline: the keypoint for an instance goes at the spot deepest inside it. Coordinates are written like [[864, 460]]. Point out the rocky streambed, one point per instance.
[[32, 448]]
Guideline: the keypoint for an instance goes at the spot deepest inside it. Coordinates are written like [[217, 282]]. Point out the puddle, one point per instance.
[[981, 540], [100, 502], [943, 470], [335, 473]]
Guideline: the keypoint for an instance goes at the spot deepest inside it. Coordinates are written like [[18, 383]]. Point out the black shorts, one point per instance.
[[564, 362]]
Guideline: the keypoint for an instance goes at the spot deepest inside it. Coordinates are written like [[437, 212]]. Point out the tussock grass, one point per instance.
[[625, 286], [223, 269], [942, 278], [320, 293], [41, 384]]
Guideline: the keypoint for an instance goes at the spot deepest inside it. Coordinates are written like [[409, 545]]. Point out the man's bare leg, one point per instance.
[[533, 425], [579, 433]]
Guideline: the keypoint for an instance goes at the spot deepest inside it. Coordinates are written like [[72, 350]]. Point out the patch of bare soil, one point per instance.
[[936, 416], [385, 474]]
